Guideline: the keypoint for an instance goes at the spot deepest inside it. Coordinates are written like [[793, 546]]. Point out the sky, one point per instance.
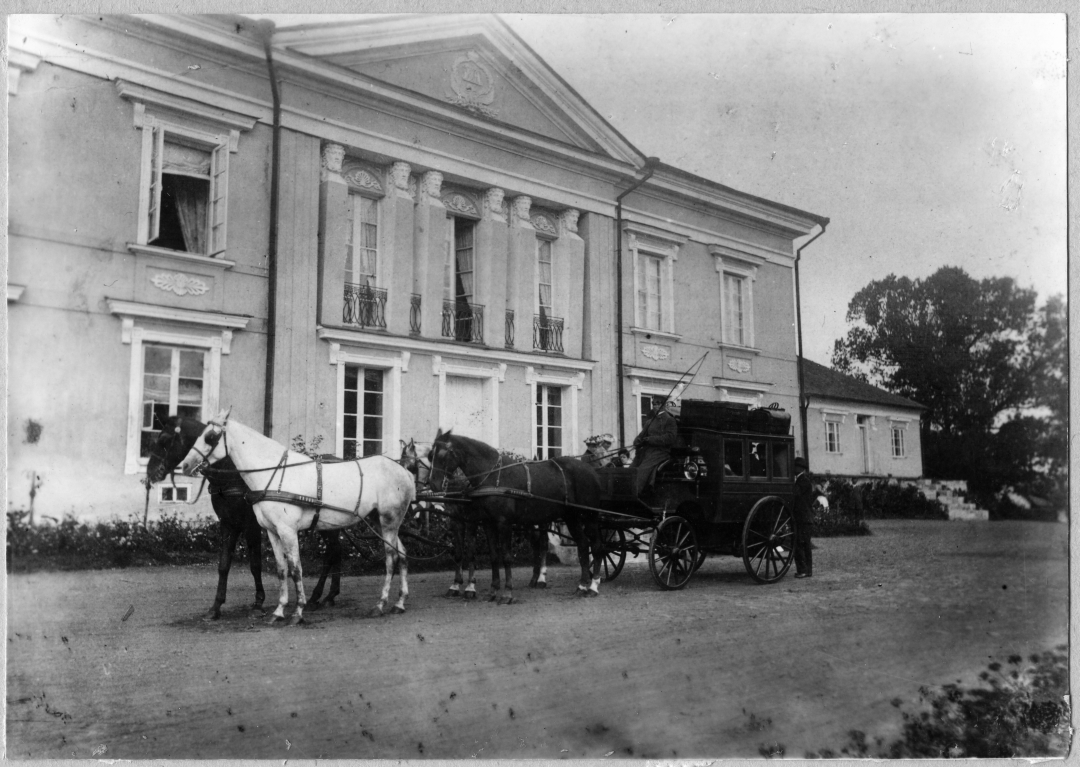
[[928, 140]]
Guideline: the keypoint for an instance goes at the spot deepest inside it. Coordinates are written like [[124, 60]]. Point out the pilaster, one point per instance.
[[569, 274], [333, 235], [491, 267], [399, 248], [429, 249], [521, 271]]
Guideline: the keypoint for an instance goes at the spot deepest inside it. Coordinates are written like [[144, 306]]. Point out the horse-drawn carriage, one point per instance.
[[727, 489]]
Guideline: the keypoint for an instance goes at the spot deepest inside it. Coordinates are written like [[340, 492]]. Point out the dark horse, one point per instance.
[[236, 516], [558, 488]]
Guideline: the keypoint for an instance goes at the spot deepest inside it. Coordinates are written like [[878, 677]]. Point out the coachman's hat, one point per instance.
[[800, 463]]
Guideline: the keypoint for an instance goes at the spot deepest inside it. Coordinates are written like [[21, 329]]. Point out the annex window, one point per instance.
[[737, 271], [735, 306], [549, 421], [183, 190], [363, 412], [172, 384], [832, 436], [898, 449], [649, 298]]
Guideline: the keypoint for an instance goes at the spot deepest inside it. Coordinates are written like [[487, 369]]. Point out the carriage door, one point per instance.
[[466, 411]]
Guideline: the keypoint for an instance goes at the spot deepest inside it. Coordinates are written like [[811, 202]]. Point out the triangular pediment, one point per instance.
[[471, 63]]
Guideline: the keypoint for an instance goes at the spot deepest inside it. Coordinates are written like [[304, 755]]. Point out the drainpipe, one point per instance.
[[265, 29], [649, 168], [803, 402]]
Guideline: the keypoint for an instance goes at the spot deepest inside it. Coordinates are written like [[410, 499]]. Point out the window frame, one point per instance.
[[734, 263], [393, 366], [361, 416], [571, 384], [541, 430], [832, 429], [350, 244], [647, 241], [174, 383], [155, 133]]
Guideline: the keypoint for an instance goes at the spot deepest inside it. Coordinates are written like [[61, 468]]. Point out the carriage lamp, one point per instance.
[[694, 468]]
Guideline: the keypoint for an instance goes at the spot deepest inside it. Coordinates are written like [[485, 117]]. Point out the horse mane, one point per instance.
[[468, 445]]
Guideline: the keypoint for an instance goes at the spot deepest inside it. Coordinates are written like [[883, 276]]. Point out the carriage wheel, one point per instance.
[[673, 553], [700, 560], [614, 542], [768, 541]]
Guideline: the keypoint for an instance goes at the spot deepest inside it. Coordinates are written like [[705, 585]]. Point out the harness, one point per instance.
[[479, 490]]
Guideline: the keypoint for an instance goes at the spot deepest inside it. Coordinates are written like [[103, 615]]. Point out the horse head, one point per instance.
[[210, 447], [412, 458], [445, 461], [172, 444]]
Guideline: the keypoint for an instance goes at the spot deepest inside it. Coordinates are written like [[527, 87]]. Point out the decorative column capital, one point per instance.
[[493, 203], [519, 207], [332, 157], [569, 218], [431, 183], [399, 175]]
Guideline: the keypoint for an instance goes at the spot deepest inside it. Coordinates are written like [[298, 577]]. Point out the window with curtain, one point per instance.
[[543, 260], [460, 266], [172, 384], [832, 436], [362, 250], [362, 412], [649, 308], [185, 196], [549, 421], [735, 309], [898, 442]]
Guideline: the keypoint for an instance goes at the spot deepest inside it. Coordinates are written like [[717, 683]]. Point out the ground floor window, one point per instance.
[[549, 421], [172, 384], [898, 442], [363, 412], [832, 437]]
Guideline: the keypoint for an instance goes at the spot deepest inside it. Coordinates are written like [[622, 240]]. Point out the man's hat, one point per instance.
[[800, 463]]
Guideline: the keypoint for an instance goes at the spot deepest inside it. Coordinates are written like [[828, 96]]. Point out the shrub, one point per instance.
[[1021, 712], [883, 499], [844, 515]]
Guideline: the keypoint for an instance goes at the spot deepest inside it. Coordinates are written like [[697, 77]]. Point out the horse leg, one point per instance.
[[395, 555], [506, 542], [397, 552], [253, 537], [539, 539], [596, 545], [290, 543], [332, 567], [457, 551], [492, 532], [282, 569], [577, 531], [229, 536], [470, 528]]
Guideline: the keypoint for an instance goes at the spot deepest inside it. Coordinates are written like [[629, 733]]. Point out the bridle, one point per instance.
[[216, 435]]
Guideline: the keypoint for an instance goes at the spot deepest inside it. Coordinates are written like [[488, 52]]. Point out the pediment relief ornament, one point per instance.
[[361, 177], [473, 85], [459, 203], [543, 223], [179, 283]]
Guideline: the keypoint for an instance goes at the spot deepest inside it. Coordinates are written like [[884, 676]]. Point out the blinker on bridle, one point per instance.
[[211, 440]]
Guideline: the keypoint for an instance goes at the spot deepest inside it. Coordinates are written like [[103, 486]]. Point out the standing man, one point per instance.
[[653, 445], [804, 518]]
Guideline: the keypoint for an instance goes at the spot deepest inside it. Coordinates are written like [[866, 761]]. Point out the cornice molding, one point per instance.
[[179, 255], [126, 309], [228, 118]]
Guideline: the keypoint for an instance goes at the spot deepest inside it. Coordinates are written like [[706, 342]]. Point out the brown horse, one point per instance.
[[540, 492], [234, 513]]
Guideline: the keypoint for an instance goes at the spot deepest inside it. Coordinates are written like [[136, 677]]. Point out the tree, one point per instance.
[[975, 353]]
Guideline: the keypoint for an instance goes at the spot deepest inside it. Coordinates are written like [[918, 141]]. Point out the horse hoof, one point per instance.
[[397, 610], [452, 593], [328, 602], [274, 620], [315, 605], [538, 585], [507, 601], [591, 593], [211, 615], [470, 596], [376, 612], [296, 620]]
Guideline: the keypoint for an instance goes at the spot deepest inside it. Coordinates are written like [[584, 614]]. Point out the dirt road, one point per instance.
[[716, 670]]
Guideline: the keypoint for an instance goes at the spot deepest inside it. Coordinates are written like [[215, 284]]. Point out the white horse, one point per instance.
[[291, 492]]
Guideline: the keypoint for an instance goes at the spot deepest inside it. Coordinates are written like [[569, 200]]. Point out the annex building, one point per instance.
[[414, 223]]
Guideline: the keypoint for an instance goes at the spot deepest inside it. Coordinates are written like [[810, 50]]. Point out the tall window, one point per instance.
[[363, 411], [649, 291], [549, 421], [832, 436], [361, 257], [898, 442], [183, 189], [460, 265], [172, 385], [735, 306], [543, 260]]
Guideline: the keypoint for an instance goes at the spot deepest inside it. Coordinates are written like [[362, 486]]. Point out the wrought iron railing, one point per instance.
[[509, 329], [463, 321], [547, 333], [364, 306], [414, 314]]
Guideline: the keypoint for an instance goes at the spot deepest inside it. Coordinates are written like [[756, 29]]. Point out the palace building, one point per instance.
[[421, 226]]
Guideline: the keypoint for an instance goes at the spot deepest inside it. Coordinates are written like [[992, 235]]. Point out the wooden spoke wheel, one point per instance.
[[673, 553], [700, 560], [768, 541], [614, 542]]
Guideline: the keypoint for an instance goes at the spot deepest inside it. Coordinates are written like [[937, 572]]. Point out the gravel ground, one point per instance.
[[118, 664]]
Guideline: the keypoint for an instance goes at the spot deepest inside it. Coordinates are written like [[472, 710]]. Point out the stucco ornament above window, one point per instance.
[[473, 85], [654, 352], [739, 365], [180, 284]]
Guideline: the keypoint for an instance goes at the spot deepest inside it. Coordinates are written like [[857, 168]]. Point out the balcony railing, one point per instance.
[[463, 321], [414, 314], [509, 329], [364, 306], [547, 333]]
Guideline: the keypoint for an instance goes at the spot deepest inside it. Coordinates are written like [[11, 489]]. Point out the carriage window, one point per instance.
[[733, 458], [548, 421], [363, 412], [759, 465], [781, 460], [172, 384]]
